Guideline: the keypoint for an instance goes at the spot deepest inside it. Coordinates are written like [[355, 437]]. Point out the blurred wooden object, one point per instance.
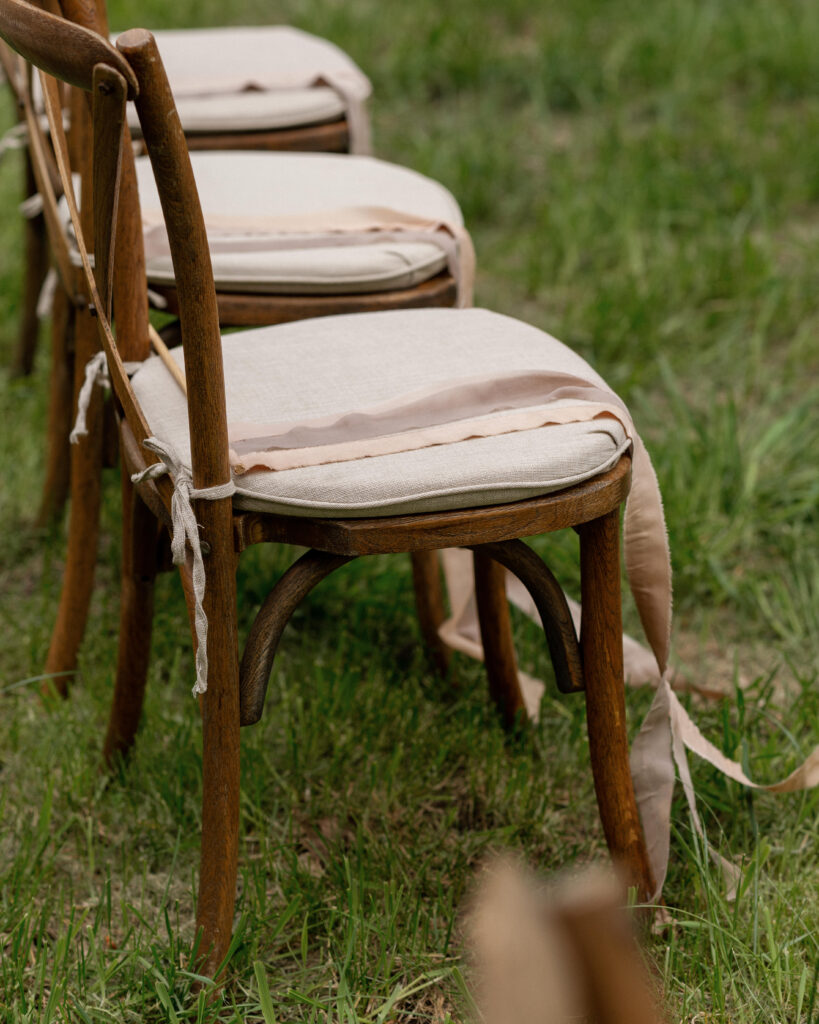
[[558, 952]]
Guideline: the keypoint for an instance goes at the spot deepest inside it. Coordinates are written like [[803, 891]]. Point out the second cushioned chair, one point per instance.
[[266, 273], [261, 87]]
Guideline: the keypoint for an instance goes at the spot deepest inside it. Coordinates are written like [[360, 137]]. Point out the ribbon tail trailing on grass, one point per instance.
[[665, 737]]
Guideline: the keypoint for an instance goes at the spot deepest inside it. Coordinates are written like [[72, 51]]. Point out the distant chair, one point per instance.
[[259, 88], [404, 248], [378, 433]]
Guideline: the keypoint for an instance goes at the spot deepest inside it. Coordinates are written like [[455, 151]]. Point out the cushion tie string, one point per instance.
[[96, 372], [15, 137], [32, 206], [186, 529], [45, 302]]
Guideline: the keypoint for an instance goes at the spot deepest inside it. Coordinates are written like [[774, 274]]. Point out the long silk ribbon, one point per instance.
[[456, 411]]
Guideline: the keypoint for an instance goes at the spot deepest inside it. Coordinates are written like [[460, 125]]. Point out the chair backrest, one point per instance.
[[81, 57], [91, 14]]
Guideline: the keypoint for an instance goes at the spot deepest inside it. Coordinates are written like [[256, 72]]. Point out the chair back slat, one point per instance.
[[52, 104], [119, 378], [9, 62], [45, 175], [127, 280], [88, 13], [63, 49], [109, 99], [198, 311]]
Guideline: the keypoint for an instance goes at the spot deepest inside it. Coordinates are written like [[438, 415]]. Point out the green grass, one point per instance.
[[641, 182]]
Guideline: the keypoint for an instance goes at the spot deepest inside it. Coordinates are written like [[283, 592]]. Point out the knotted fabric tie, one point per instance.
[[186, 529], [32, 206], [45, 302], [96, 372], [15, 138]]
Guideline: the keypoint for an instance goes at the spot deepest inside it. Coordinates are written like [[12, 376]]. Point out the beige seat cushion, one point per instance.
[[347, 270], [247, 187], [253, 111], [334, 365], [237, 79], [203, 61], [255, 78]]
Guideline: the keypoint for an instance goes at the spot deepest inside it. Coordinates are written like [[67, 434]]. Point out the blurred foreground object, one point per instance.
[[547, 954]]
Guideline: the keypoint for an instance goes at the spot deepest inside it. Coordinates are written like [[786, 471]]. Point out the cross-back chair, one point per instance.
[[268, 284], [244, 103], [311, 397]]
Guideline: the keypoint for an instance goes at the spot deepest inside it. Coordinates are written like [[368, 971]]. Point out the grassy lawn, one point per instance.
[[641, 181]]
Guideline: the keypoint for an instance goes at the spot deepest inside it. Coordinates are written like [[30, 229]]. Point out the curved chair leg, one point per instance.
[[268, 626], [35, 270], [429, 604], [552, 607], [60, 409], [496, 636], [601, 644], [139, 546], [220, 742], [83, 526]]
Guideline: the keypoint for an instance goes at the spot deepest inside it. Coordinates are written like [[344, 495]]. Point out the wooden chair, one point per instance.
[[246, 112], [445, 495], [269, 287]]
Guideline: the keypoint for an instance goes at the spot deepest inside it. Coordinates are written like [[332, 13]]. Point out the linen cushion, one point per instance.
[[221, 84], [343, 363], [203, 61], [343, 270], [253, 111], [249, 186], [233, 79]]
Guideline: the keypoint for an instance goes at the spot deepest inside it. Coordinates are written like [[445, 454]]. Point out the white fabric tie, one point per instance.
[[32, 206], [186, 530], [45, 302], [96, 372], [15, 138]]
